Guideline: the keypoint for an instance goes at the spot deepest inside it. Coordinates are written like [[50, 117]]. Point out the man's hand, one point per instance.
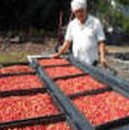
[[103, 61], [65, 46], [55, 55]]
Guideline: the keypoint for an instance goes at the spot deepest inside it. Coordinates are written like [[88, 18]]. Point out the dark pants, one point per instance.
[[95, 63]]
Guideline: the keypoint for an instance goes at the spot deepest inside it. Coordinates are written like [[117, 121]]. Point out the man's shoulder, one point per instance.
[[93, 18], [73, 22]]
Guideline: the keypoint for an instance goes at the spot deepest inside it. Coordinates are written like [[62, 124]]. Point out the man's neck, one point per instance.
[[83, 21]]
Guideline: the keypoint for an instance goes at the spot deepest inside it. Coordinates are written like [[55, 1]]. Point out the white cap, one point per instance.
[[78, 4]]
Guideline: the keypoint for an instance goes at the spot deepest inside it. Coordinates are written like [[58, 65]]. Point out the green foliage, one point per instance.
[[16, 14], [125, 2], [37, 32], [112, 16], [23, 14], [125, 24], [13, 57], [103, 7]]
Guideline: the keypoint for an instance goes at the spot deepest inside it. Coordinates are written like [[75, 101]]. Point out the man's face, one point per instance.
[[80, 14]]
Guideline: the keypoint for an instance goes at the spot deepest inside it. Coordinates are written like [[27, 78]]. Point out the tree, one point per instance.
[[124, 2]]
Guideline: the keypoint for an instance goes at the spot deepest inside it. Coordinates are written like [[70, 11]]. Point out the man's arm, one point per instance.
[[102, 52], [66, 45]]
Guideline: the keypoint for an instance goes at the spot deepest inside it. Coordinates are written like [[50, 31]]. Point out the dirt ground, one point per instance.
[[30, 47], [114, 49], [121, 66]]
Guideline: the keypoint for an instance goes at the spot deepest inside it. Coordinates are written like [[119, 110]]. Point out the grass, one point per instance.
[[13, 57], [15, 52]]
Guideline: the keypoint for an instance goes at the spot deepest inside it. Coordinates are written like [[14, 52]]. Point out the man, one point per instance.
[[85, 32]]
